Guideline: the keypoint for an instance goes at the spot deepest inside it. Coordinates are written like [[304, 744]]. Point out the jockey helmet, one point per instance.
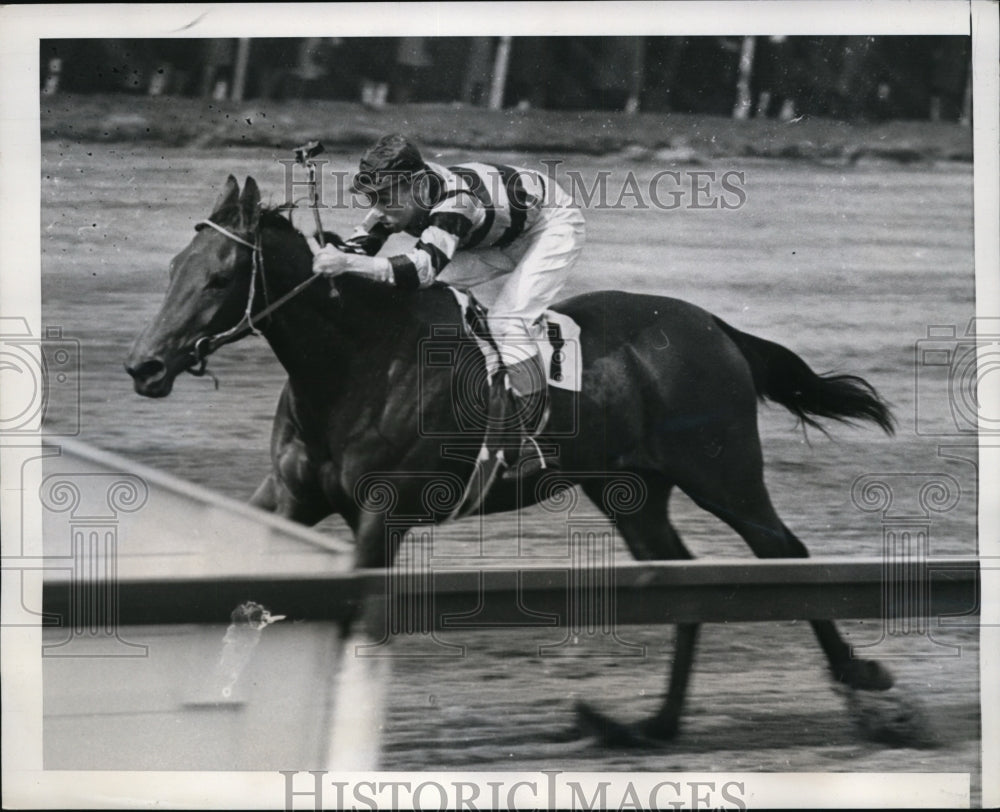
[[392, 159]]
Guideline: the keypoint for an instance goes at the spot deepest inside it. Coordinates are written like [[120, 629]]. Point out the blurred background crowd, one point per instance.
[[844, 77]]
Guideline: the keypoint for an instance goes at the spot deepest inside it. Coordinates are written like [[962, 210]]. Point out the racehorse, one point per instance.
[[669, 398]]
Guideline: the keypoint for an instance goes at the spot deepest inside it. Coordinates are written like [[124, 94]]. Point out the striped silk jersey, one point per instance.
[[474, 206]]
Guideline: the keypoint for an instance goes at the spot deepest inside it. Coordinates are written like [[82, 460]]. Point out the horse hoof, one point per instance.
[[891, 718], [865, 675], [609, 732], [659, 731]]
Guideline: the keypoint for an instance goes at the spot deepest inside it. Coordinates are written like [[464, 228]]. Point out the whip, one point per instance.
[[304, 156]]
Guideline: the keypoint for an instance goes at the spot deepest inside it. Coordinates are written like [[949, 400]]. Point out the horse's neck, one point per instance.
[[304, 337], [325, 343]]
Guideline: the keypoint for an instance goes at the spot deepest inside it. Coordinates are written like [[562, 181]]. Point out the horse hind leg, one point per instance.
[[755, 519], [650, 537], [854, 672]]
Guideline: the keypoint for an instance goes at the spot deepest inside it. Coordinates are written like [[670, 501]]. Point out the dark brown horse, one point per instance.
[[669, 399]]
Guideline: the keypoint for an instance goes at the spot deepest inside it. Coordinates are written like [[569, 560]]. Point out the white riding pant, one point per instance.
[[519, 282]]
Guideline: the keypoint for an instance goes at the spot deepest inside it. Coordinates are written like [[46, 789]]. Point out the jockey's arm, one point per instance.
[[369, 237], [411, 271], [357, 255], [332, 261]]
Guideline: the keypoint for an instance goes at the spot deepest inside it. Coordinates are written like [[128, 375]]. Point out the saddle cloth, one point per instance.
[[560, 351]]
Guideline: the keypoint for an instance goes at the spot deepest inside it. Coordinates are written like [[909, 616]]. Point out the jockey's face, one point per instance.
[[398, 206], [403, 206]]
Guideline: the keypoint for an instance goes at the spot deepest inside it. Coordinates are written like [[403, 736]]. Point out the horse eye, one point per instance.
[[217, 282]]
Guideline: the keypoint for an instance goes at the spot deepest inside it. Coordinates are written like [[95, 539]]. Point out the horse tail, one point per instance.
[[781, 376]]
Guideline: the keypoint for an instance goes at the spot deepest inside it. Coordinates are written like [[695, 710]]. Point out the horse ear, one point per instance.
[[230, 195], [250, 203]]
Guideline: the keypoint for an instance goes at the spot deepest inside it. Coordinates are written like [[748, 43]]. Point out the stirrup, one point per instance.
[[526, 465]]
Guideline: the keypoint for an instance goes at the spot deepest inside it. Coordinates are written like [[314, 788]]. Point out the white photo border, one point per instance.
[[21, 28]]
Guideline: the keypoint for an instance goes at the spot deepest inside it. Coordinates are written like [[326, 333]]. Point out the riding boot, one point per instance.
[[529, 414], [525, 459]]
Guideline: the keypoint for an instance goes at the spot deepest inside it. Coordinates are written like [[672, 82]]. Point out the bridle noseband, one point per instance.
[[206, 345]]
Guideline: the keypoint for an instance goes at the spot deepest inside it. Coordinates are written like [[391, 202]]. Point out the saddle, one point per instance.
[[560, 351]]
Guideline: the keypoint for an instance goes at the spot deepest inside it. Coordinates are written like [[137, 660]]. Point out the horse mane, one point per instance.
[[273, 217]]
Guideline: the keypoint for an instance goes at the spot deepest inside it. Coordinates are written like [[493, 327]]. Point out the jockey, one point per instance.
[[508, 233]]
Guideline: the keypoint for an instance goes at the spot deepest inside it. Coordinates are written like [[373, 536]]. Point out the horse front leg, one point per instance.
[[376, 544], [274, 497], [376, 540], [665, 724], [293, 489], [649, 535], [265, 497]]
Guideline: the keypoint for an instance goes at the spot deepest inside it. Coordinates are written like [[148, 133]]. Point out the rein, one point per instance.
[[206, 345]]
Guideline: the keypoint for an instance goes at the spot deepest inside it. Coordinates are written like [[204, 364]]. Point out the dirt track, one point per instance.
[[846, 266]]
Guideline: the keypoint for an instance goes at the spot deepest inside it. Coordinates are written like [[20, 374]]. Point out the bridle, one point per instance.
[[206, 345]]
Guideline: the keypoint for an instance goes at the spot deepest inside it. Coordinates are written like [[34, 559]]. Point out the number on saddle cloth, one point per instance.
[[554, 332]]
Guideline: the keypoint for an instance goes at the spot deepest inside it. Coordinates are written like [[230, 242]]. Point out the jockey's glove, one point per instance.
[[331, 262]]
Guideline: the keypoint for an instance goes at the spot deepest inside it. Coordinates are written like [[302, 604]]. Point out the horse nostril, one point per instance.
[[147, 370]]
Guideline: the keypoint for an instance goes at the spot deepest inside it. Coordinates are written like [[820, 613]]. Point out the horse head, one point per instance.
[[207, 294]]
